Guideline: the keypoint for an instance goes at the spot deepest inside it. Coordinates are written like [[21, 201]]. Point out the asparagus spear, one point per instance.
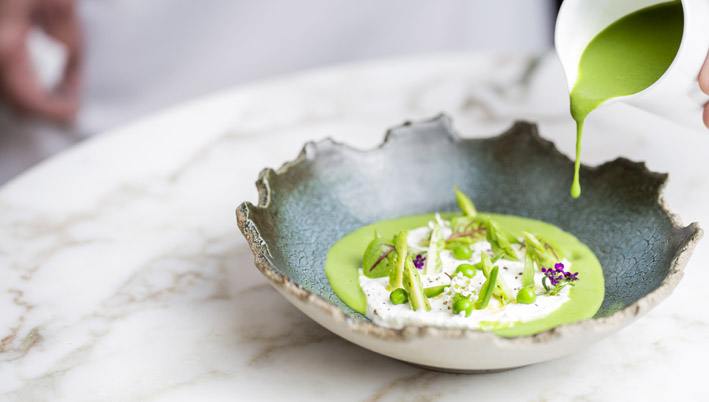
[[466, 205], [499, 242], [543, 257], [528, 273], [413, 286], [433, 260]]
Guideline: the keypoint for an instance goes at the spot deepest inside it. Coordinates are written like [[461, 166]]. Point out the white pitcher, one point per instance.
[[676, 95]]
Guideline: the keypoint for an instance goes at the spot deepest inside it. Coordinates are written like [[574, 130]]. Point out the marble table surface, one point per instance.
[[123, 276]]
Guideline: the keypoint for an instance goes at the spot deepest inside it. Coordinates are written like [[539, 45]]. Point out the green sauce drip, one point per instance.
[[345, 258], [623, 59]]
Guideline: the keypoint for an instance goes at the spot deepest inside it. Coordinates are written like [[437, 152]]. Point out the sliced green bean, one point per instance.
[[501, 290], [487, 290], [434, 290]]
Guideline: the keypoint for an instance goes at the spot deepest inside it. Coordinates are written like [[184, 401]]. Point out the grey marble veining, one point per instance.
[[122, 276]]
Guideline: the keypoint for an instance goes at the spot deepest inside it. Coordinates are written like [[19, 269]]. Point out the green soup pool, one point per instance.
[[345, 258]]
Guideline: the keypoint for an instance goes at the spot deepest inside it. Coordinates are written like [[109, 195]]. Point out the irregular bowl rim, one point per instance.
[[626, 315]]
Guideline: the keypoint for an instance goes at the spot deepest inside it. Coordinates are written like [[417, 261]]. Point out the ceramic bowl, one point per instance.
[[330, 189]]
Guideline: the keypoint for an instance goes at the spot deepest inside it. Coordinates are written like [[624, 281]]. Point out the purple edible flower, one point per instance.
[[571, 277], [559, 267], [558, 278], [419, 260]]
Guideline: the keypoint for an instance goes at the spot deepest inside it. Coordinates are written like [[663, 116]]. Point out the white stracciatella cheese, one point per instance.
[[383, 312]]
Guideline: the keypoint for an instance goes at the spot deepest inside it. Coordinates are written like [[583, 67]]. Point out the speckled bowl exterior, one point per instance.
[[331, 189]]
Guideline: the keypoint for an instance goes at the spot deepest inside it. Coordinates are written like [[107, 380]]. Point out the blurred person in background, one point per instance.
[[109, 61]]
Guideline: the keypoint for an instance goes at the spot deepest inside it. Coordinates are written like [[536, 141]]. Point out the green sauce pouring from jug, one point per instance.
[[625, 58]]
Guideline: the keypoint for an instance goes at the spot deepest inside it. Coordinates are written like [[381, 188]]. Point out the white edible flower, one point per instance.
[[463, 285]]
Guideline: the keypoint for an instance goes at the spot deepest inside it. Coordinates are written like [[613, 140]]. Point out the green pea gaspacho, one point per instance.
[[512, 275]]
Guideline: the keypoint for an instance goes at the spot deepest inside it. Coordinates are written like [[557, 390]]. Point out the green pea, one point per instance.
[[461, 305], [462, 252], [399, 296], [526, 296], [466, 269]]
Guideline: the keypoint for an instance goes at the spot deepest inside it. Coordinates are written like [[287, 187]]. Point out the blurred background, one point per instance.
[[71, 69]]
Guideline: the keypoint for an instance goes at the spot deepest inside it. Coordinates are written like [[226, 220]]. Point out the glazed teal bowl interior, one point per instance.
[[332, 189]]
